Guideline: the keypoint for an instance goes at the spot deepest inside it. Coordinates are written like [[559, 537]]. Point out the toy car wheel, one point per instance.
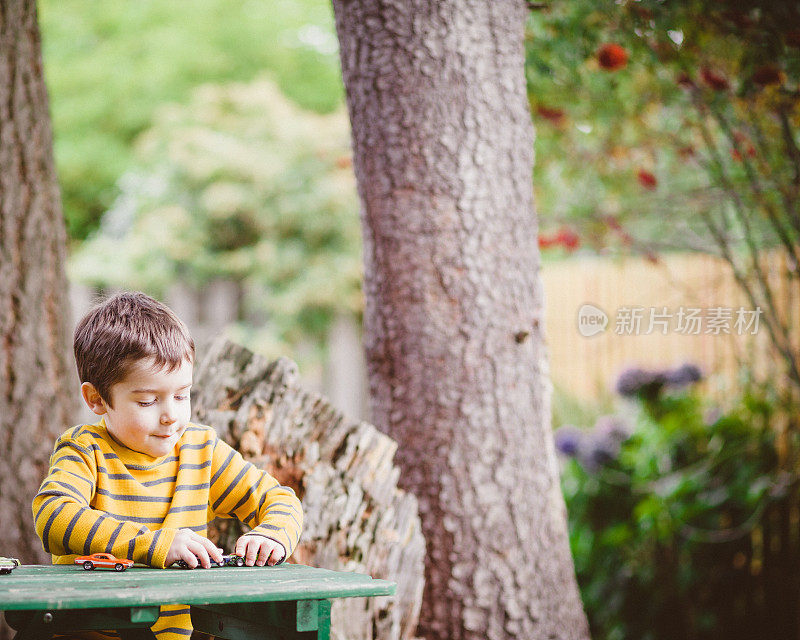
[[119, 567], [4, 571], [239, 562], [88, 566]]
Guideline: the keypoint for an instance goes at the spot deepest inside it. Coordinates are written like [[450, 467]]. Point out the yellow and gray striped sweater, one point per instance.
[[100, 496]]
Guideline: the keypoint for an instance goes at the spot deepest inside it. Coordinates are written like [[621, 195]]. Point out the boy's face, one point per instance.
[[151, 407]]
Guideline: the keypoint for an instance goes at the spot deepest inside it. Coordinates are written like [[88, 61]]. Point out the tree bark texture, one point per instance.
[[443, 155], [37, 384], [356, 519]]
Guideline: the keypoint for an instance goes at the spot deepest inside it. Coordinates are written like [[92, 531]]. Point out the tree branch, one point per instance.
[[777, 330], [788, 192], [789, 244]]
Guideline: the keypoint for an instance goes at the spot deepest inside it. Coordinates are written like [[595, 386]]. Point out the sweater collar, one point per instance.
[[127, 455]]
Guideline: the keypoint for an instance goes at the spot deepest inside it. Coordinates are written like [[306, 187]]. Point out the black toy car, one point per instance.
[[7, 565], [229, 560]]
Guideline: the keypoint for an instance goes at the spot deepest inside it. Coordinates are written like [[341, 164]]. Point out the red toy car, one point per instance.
[[103, 560]]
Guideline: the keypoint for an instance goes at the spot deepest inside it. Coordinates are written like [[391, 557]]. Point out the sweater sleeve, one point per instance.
[[68, 525], [239, 489]]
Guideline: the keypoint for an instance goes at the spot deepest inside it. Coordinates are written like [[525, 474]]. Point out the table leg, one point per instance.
[[324, 620]]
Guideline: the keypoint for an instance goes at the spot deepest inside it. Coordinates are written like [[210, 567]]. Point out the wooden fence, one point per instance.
[[685, 308]]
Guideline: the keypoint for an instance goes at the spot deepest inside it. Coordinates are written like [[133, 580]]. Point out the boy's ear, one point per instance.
[[93, 399]]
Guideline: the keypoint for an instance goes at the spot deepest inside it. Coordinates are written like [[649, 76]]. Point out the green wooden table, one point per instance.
[[239, 603]]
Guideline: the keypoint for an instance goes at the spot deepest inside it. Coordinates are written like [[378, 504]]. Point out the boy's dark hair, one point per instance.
[[122, 329]]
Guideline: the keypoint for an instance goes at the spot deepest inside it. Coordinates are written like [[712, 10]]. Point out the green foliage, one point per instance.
[[243, 185], [597, 128], [687, 137], [566, 409], [110, 65], [661, 508]]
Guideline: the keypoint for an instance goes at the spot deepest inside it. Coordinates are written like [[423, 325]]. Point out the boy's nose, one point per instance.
[[168, 417]]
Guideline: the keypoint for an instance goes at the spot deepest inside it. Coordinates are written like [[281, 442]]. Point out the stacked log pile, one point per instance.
[[356, 519]]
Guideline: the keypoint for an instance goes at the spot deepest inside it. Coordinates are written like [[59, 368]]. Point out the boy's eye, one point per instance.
[[182, 397], [146, 404]]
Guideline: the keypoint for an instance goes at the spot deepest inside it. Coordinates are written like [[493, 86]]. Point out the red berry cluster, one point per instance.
[[564, 237]]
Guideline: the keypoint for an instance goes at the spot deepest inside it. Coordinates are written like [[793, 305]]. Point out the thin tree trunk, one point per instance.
[[443, 153], [36, 383]]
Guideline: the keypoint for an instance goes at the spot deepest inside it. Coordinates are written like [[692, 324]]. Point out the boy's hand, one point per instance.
[[258, 550], [193, 549]]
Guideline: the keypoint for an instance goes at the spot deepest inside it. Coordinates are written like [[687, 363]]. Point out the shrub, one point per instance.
[[662, 504]]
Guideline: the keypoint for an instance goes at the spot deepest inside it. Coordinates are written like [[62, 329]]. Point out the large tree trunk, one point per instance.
[[37, 394], [443, 147]]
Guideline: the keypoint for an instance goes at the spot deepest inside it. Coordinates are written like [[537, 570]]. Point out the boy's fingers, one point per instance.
[[258, 551], [214, 552], [241, 546], [263, 554], [189, 558], [251, 553], [275, 557], [211, 550], [201, 553]]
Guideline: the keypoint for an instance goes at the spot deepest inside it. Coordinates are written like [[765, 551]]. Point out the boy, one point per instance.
[[143, 482]]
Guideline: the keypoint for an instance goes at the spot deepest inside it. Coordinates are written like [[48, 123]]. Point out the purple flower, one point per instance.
[[602, 445], [595, 452], [612, 428], [568, 440], [684, 375], [603, 452], [633, 382]]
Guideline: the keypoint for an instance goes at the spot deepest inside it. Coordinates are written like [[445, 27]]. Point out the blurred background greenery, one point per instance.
[[240, 185], [205, 145], [109, 67]]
